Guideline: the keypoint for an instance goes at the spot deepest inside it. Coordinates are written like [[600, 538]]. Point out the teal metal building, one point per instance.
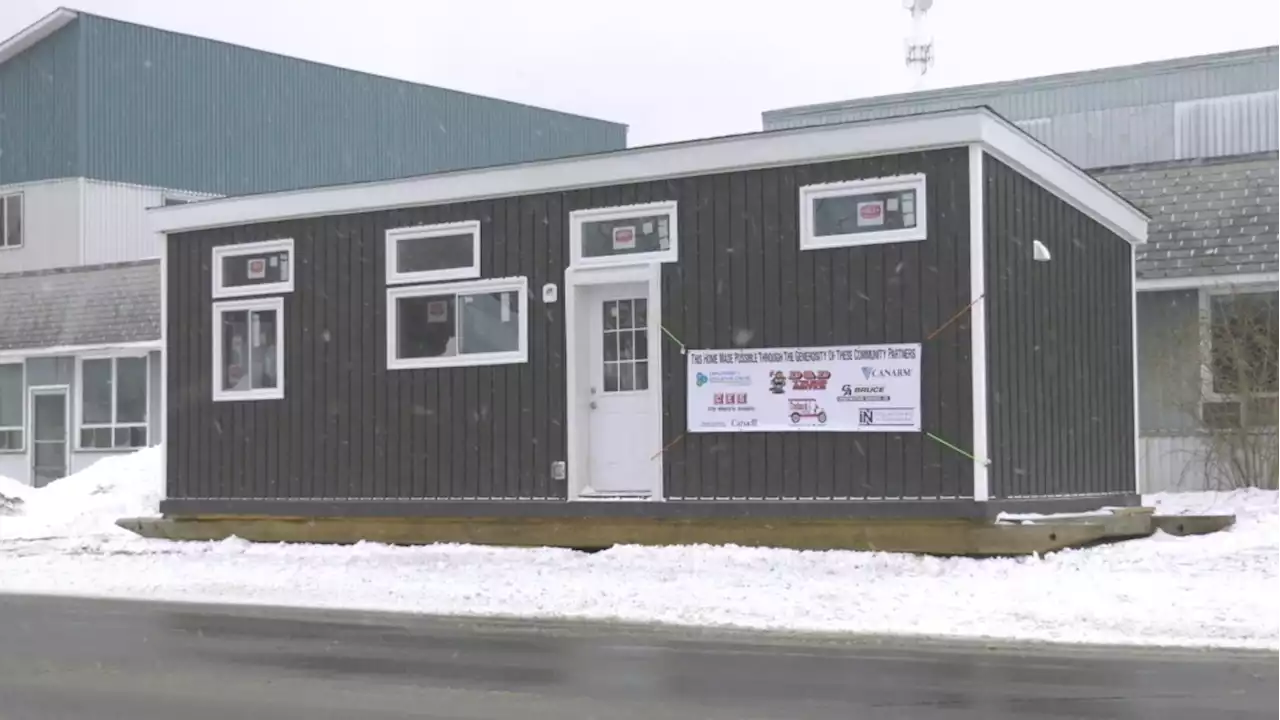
[[92, 97]]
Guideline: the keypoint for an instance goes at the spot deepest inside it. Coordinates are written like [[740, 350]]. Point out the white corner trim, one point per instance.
[[162, 421], [221, 252], [1137, 396], [978, 325], [578, 218], [394, 236], [781, 148], [29, 36], [810, 193], [268, 303], [518, 285], [1208, 281], [1073, 185]]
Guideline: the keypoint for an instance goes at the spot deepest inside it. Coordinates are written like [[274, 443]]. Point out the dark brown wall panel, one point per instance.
[[349, 428], [1060, 345]]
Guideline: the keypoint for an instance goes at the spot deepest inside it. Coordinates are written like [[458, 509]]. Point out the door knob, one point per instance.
[[593, 404]]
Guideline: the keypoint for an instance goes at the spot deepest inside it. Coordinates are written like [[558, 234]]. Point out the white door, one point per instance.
[[49, 435], [621, 419]]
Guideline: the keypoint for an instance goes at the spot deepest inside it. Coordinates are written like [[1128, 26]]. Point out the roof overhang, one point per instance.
[[914, 133], [1196, 282], [34, 33]]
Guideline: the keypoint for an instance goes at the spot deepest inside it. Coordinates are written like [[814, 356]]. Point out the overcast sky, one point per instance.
[[680, 69]]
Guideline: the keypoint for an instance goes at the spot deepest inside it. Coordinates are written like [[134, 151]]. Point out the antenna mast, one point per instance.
[[919, 43]]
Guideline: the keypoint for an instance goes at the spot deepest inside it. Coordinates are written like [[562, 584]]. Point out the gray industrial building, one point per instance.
[[1193, 143], [101, 119]]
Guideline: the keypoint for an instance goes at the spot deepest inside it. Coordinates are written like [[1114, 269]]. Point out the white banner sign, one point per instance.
[[856, 388]]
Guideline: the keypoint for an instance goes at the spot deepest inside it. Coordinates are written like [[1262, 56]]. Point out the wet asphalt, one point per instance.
[[73, 659]]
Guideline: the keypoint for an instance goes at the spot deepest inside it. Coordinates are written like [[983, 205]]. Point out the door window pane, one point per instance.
[[50, 418], [624, 345]]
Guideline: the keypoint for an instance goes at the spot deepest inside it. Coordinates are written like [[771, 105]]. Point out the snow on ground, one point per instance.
[[1215, 590]]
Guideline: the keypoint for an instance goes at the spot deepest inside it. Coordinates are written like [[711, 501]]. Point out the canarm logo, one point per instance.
[[869, 372]]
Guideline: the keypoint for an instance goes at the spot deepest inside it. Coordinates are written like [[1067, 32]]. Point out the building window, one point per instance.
[[248, 349], [113, 403], [430, 253], [1242, 343], [12, 380], [482, 322], [863, 212], [259, 268], [624, 235], [11, 227]]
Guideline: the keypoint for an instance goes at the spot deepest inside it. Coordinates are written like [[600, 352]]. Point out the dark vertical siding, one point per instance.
[[349, 428], [1060, 345]]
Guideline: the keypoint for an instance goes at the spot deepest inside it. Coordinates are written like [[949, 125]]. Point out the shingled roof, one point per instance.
[[1213, 216], [87, 305]]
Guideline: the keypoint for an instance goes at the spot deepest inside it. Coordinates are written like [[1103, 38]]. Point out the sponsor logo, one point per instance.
[[729, 399], [869, 372], [887, 417], [863, 394], [744, 423], [723, 377]]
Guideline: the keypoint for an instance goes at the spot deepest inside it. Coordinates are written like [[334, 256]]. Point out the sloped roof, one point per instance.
[[1209, 217], [88, 305]]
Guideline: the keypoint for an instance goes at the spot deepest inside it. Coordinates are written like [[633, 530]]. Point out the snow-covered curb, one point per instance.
[[1215, 590]]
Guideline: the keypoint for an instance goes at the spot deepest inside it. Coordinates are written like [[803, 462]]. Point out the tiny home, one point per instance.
[[928, 315]]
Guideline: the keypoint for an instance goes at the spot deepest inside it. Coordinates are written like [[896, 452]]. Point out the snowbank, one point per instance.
[[1215, 590], [87, 504]]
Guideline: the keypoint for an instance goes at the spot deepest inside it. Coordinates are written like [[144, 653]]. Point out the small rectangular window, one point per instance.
[[259, 268], [248, 349], [624, 235], [113, 403], [11, 228], [863, 212], [1243, 336], [430, 253], [483, 322], [12, 379]]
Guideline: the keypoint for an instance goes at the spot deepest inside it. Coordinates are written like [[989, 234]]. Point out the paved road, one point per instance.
[[75, 659]]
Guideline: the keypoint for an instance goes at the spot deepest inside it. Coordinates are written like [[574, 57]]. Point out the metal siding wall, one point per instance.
[[1169, 361], [348, 428], [1060, 345], [39, 104], [115, 221], [1232, 125], [51, 226], [1244, 75], [176, 111]]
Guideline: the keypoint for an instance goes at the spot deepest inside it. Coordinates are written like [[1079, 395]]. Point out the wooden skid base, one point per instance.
[[931, 537]]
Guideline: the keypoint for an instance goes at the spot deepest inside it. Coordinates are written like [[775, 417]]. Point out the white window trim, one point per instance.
[[115, 386], [22, 404], [1207, 294], [810, 193], [578, 218], [275, 393], [518, 285], [4, 221], [267, 246], [423, 232]]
